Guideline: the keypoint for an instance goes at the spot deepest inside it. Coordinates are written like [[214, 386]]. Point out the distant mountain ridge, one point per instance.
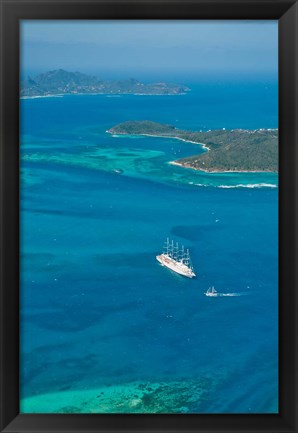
[[61, 82]]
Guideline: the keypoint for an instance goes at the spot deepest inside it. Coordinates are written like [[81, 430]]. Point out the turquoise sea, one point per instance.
[[105, 328]]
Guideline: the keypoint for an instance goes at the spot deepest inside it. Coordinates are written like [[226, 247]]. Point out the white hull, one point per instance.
[[175, 266]]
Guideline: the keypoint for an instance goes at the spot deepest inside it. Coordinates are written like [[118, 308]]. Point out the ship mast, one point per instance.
[[176, 252], [167, 246], [172, 250], [189, 264], [182, 254], [187, 257]]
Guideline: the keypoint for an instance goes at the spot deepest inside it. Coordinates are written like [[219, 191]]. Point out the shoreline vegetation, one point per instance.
[[233, 151], [60, 83]]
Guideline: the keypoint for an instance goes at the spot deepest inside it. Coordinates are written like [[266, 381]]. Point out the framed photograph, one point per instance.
[[149, 211]]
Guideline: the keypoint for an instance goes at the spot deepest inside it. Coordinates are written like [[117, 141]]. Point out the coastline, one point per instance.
[[43, 96], [60, 95], [219, 171], [203, 145]]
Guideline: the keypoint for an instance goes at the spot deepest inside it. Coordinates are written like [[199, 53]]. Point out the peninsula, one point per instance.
[[60, 82], [237, 150]]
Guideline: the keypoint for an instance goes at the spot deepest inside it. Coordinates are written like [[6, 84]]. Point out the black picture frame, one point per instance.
[[286, 11]]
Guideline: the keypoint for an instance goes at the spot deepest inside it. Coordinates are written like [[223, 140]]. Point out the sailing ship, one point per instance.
[[176, 259], [211, 292]]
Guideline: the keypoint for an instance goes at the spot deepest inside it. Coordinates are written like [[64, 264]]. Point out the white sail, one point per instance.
[[211, 292]]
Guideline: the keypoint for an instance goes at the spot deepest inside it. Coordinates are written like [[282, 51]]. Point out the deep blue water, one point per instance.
[[96, 308]]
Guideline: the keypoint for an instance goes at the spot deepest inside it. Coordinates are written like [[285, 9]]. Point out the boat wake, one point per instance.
[[231, 294], [211, 292], [217, 295]]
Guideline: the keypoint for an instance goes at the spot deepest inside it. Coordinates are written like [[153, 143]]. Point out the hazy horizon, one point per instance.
[[161, 50]]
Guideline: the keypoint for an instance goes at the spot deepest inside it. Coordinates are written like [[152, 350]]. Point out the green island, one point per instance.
[[236, 150], [60, 82]]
